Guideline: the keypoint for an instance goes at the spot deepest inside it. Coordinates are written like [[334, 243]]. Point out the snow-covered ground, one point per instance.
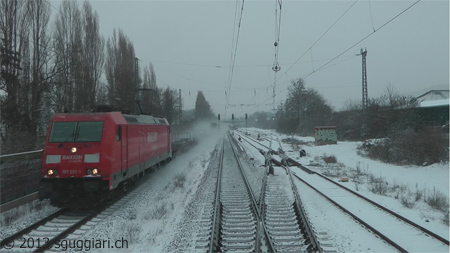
[[163, 215], [401, 183]]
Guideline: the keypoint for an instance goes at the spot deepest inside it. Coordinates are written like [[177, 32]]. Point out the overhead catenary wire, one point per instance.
[[234, 49], [355, 44], [329, 28], [370, 34]]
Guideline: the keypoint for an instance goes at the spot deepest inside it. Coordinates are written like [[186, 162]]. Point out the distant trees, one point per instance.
[[263, 120], [202, 107], [303, 110]]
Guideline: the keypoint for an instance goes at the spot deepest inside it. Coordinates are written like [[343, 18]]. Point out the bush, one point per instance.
[[437, 200], [406, 146], [407, 201], [159, 211], [378, 185], [330, 159], [130, 231], [179, 178], [446, 218]]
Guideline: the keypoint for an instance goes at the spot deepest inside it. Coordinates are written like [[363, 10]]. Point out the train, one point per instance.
[[88, 156]]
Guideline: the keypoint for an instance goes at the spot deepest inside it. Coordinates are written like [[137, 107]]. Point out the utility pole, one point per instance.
[[364, 93]]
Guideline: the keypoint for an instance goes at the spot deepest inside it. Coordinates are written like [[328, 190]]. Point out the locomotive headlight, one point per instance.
[[93, 172], [52, 172], [73, 150]]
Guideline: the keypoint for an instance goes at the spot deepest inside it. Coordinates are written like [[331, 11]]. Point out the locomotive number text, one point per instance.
[[71, 172]]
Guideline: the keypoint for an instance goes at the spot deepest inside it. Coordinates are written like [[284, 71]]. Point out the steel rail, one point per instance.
[[375, 231], [261, 202], [68, 231], [298, 205], [28, 229], [215, 235], [273, 151], [255, 206], [383, 208], [305, 222], [432, 234]]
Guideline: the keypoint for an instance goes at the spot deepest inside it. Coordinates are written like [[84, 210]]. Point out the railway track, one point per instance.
[[48, 232], [242, 222], [56, 231], [407, 235], [280, 217], [236, 220]]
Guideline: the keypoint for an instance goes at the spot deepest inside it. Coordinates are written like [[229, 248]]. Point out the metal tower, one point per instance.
[[364, 79]]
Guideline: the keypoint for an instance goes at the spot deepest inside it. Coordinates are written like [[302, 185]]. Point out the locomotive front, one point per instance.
[[72, 168]]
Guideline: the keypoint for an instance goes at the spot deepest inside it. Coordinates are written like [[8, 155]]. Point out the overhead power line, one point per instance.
[[352, 46], [234, 49], [321, 36], [361, 40]]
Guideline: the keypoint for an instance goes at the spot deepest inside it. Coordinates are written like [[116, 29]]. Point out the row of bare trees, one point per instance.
[[79, 54], [56, 67]]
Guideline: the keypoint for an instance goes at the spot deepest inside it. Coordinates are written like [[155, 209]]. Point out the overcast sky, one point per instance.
[[190, 44]]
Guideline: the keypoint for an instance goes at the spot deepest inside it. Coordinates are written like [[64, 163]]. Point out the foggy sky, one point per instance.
[[190, 44]]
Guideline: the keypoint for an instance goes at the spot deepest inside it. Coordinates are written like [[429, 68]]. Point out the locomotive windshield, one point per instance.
[[83, 131]]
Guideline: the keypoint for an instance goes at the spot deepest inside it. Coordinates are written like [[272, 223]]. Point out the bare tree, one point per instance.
[[93, 57], [66, 42], [303, 110], [14, 28], [80, 53], [42, 67], [28, 69], [169, 102], [296, 102], [119, 68], [101, 94], [150, 96]]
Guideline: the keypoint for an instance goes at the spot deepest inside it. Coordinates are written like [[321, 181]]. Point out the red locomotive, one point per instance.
[[89, 155]]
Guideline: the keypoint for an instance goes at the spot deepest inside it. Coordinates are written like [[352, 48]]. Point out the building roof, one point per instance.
[[434, 98]]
